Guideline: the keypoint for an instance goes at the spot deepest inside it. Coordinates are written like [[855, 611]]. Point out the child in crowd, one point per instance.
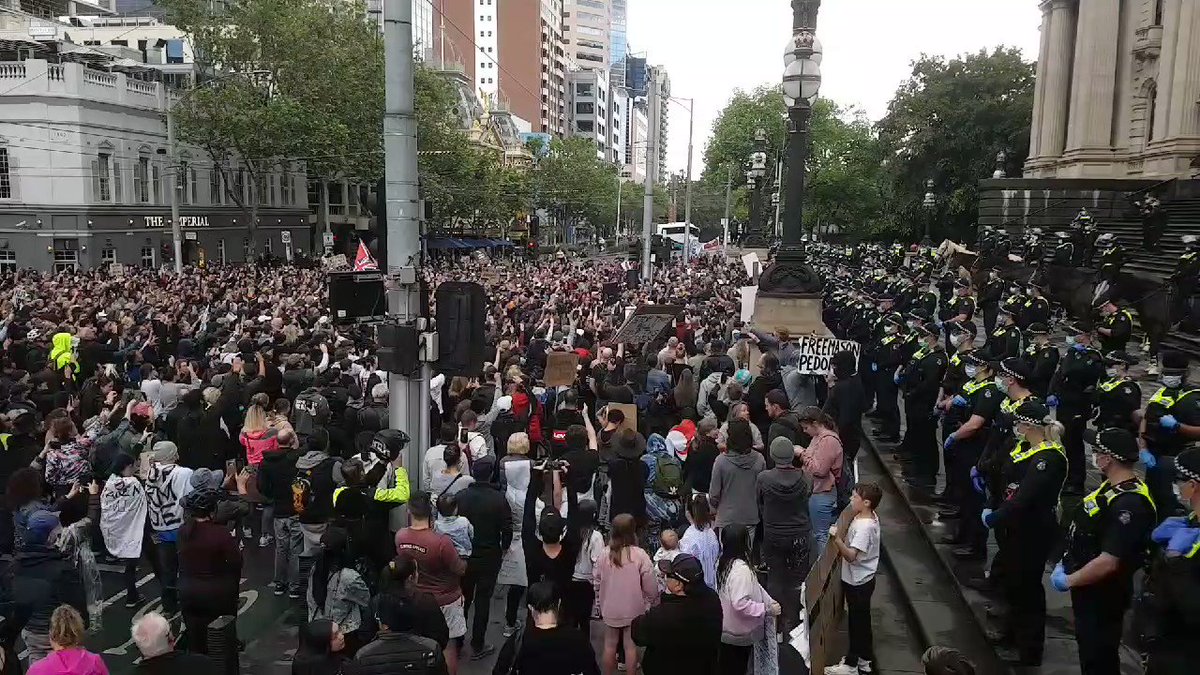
[[859, 551], [668, 549], [457, 527]]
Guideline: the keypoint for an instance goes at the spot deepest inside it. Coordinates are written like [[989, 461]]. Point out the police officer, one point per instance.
[[962, 306], [921, 379], [1167, 608], [989, 299], [1187, 270], [1064, 251], [1026, 525], [1112, 257], [1106, 543], [1071, 391], [1170, 422], [962, 342], [1115, 327], [1035, 248], [1036, 308], [888, 356], [1042, 357], [1005, 341], [978, 403], [1117, 397]]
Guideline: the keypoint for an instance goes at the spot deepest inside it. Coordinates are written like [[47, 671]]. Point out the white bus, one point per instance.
[[676, 232]]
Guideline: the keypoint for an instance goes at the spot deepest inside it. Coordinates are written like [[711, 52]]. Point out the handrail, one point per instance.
[[1034, 213], [1157, 185]]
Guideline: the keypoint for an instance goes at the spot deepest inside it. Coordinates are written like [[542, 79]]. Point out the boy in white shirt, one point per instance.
[[859, 551]]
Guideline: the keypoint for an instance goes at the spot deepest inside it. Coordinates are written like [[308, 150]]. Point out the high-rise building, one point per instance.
[[663, 82], [618, 38], [586, 30], [590, 109], [512, 51]]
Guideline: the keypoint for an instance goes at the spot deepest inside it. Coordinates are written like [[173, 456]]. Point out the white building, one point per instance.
[[85, 175], [637, 133], [590, 103], [587, 26]]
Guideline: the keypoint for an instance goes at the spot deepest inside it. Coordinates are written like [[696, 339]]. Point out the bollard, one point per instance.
[[222, 644]]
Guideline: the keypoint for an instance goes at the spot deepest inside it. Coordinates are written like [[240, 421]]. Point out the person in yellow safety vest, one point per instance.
[[1168, 610], [1106, 545], [1115, 326], [62, 352], [1117, 396], [1026, 525], [1170, 424]]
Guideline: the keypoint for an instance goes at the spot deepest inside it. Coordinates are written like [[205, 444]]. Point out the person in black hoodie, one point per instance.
[[43, 579], [697, 470], [783, 494], [485, 506], [785, 423], [768, 380], [627, 477], [846, 403], [399, 646], [544, 646], [322, 473], [683, 632], [275, 477]]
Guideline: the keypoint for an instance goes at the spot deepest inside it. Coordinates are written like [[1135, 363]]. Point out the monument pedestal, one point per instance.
[[799, 314]]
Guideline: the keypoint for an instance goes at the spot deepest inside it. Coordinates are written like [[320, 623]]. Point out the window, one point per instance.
[[156, 176], [108, 256], [267, 245], [181, 182], [221, 251], [584, 125], [215, 195], [1158, 12], [102, 177], [1151, 110], [192, 185], [66, 255], [246, 249], [141, 182], [239, 184], [5, 178], [148, 256], [285, 185], [585, 108], [174, 51], [583, 89], [8, 261]]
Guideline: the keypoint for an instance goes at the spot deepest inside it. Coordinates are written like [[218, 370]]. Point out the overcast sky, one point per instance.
[[711, 47]]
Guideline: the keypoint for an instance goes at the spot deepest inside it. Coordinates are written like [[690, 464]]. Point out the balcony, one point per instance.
[[1147, 42], [35, 77]]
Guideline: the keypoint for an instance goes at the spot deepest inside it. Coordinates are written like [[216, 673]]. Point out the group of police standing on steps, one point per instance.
[[1018, 415]]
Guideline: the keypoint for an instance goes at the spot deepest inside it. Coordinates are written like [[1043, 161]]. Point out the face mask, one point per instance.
[[1178, 493], [971, 371], [891, 329], [1095, 460], [956, 340], [1172, 381], [1070, 340], [910, 324], [1002, 385], [1112, 373]]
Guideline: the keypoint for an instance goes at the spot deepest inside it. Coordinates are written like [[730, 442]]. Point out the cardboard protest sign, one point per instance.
[[749, 294], [753, 265], [560, 368], [630, 411], [646, 323], [815, 354]]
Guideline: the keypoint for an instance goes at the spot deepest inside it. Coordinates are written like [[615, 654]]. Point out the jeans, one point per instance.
[[312, 537], [167, 553], [478, 584], [513, 604], [289, 542], [858, 603], [822, 512], [787, 567]]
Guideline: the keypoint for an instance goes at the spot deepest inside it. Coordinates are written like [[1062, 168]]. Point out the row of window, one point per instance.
[[66, 259], [150, 183]]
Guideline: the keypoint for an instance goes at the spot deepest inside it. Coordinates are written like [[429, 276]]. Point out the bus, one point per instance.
[[677, 232]]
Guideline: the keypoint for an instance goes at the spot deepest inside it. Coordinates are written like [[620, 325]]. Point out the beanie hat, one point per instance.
[[782, 451]]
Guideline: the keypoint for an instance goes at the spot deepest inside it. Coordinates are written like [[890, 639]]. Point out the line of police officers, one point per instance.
[[1014, 418]]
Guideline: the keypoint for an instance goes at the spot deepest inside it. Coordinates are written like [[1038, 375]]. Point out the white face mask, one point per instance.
[[1002, 385], [891, 330], [971, 371], [956, 340], [1095, 460], [1172, 381], [1178, 492], [1111, 372], [1070, 340]]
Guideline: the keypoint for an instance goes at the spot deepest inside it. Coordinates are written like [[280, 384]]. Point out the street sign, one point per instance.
[[285, 237], [327, 238], [646, 323]]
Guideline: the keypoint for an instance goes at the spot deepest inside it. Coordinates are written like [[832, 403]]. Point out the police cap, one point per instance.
[[1117, 443], [1118, 357]]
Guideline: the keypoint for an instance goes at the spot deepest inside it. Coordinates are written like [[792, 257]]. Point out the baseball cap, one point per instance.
[[683, 567], [40, 526]]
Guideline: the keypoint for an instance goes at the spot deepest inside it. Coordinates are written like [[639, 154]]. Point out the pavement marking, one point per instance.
[[103, 605]]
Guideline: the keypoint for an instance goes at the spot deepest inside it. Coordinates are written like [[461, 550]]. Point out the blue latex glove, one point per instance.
[[1168, 423], [1163, 533], [959, 401], [1078, 347], [977, 480], [986, 517], [1052, 401], [874, 367], [1148, 459], [939, 324], [950, 441], [1184, 540], [1058, 579], [897, 379]]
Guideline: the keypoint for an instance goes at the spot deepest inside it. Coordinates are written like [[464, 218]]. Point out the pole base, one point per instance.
[[797, 314]]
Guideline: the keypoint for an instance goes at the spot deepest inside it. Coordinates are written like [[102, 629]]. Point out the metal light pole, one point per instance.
[[728, 204], [930, 205], [687, 200], [652, 123], [617, 225], [755, 175]]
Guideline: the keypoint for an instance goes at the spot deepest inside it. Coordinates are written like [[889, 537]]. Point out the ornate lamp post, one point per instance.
[[1001, 165], [756, 176], [930, 205], [790, 275]]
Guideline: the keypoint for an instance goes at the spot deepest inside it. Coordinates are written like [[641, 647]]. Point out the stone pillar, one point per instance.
[[1039, 89], [1056, 98], [1095, 71], [1184, 121], [1166, 69]]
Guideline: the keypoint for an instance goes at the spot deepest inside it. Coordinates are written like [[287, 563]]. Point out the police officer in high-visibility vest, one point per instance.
[[977, 404], [1036, 308], [1170, 423], [1070, 391], [989, 299], [1005, 341], [887, 358], [1115, 325], [1042, 356], [1026, 525], [1117, 397], [1107, 543], [1168, 610], [920, 380], [962, 342]]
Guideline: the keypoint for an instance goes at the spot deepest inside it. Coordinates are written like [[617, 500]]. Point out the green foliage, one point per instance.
[[732, 139], [948, 122], [574, 185]]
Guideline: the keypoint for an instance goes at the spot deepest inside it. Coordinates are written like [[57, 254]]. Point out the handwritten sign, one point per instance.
[[560, 368], [116, 269], [646, 323], [816, 353], [335, 262]]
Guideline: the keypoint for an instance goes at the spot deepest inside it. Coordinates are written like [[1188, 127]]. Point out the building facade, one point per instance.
[[587, 33], [590, 107], [86, 178], [663, 82], [513, 52], [1118, 90], [618, 27]]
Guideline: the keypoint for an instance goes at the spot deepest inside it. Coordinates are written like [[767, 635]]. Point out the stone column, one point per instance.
[[1095, 71], [1056, 99], [1184, 121], [1166, 69], [1039, 89]]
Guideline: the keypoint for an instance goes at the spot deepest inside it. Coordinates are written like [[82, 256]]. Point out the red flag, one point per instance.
[[363, 262]]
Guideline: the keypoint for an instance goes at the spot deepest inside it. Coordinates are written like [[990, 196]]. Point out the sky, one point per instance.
[[712, 47]]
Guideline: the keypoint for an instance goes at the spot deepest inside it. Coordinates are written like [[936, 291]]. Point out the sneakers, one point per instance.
[[482, 652], [247, 533], [264, 541], [510, 631], [841, 668], [280, 589], [864, 667], [133, 601], [294, 594]]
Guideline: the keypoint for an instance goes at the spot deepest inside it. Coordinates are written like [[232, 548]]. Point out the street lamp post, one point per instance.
[[755, 176], [790, 275], [1001, 165], [930, 204]]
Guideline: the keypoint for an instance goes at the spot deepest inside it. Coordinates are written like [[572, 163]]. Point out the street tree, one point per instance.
[[574, 185]]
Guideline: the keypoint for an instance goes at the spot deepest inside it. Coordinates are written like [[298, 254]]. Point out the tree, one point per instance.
[[846, 182], [574, 185], [732, 139], [285, 80], [948, 122]]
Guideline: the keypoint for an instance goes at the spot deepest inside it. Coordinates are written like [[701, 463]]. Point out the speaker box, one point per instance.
[[399, 348], [357, 297], [461, 311]]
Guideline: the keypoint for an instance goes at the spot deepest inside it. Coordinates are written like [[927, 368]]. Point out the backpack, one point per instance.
[[668, 476], [303, 493]]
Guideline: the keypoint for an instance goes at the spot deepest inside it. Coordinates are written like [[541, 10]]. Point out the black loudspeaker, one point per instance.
[[399, 348], [461, 310], [357, 297], [612, 291], [632, 278]]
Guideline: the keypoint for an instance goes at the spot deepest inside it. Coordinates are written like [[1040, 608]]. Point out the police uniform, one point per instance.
[[887, 358], [1026, 524], [1005, 341], [1112, 259], [1116, 399], [989, 301], [978, 397], [1042, 360], [921, 380], [1078, 372], [1115, 519], [1063, 254], [959, 305], [1034, 310], [1186, 271], [1182, 404], [1120, 327]]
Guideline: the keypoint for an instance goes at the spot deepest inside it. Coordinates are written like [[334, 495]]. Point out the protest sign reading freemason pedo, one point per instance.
[[815, 354]]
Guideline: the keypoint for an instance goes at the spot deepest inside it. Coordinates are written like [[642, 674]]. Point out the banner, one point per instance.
[[646, 322], [815, 354], [749, 294]]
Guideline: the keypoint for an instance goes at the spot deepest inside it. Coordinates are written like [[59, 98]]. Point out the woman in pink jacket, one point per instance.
[[627, 587], [823, 464]]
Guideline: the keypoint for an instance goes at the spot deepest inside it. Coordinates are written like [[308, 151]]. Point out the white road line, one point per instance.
[[104, 605]]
